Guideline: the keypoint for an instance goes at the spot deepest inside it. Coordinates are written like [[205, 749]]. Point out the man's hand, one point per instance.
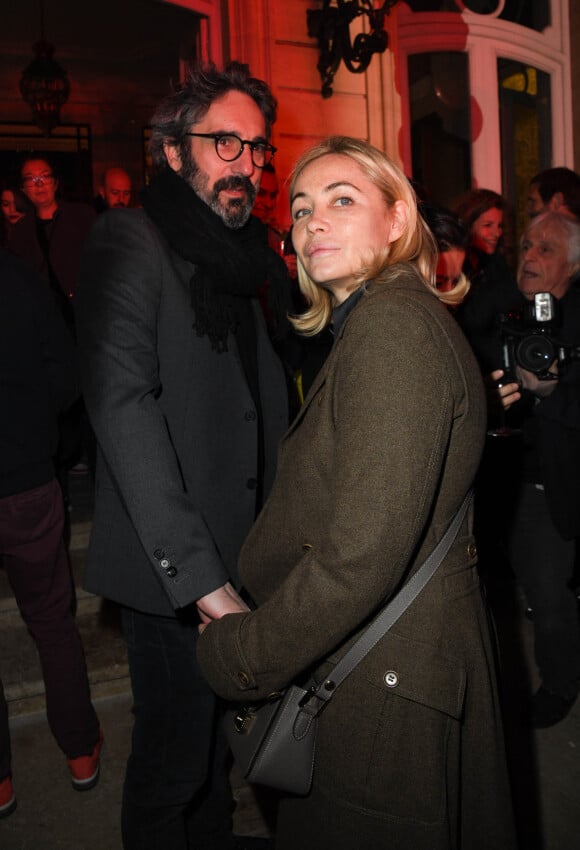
[[507, 393], [531, 382], [224, 600]]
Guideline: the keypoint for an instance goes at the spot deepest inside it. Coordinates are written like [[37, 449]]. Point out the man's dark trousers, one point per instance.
[[35, 558], [544, 563], [174, 707]]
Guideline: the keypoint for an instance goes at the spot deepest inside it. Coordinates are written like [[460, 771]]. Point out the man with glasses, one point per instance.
[[51, 242], [188, 400]]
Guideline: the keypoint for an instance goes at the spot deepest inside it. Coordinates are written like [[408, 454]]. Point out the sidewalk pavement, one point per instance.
[[51, 815]]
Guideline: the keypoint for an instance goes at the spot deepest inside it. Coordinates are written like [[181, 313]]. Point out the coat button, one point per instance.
[[391, 679], [164, 563], [471, 550], [250, 415], [251, 483], [243, 679], [306, 546], [158, 554], [171, 571]]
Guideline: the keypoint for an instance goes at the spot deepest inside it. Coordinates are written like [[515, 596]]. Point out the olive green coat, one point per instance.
[[370, 474]]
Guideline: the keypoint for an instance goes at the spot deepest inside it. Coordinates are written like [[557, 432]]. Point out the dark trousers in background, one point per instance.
[[36, 561], [543, 563], [177, 793]]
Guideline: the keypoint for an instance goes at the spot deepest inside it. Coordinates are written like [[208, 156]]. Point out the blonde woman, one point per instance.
[[409, 752]]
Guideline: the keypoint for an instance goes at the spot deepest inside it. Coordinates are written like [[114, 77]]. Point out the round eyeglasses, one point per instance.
[[37, 180], [230, 147]]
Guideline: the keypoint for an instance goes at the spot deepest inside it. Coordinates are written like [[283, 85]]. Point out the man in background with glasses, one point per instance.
[[51, 242], [188, 400]]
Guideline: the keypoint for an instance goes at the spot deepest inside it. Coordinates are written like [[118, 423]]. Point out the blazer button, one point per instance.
[[158, 554], [391, 679], [471, 550], [164, 563], [250, 415], [171, 572], [306, 546], [243, 679], [251, 484]]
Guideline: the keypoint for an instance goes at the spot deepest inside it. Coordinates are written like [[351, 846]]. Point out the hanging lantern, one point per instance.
[[44, 85]]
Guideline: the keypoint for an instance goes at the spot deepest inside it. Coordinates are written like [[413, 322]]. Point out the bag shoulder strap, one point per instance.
[[389, 614]]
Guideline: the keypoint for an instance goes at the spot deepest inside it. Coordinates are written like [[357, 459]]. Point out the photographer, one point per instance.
[[546, 520]]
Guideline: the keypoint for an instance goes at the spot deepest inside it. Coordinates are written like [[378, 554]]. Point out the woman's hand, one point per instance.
[[224, 600]]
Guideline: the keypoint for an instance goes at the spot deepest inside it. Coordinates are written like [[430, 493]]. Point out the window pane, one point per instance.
[[440, 126], [526, 130]]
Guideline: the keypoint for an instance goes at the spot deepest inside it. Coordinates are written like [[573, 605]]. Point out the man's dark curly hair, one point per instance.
[[447, 228], [559, 179], [189, 103]]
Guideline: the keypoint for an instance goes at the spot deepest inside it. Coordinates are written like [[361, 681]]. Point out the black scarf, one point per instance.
[[232, 266]]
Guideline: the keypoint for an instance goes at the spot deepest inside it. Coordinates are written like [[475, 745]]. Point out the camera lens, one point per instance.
[[535, 353]]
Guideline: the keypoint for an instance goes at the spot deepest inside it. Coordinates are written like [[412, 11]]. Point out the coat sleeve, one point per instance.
[[117, 308], [395, 393]]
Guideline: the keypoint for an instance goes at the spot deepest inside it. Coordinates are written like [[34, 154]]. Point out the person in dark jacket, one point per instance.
[[188, 401], [546, 522], [38, 379], [52, 240], [493, 287]]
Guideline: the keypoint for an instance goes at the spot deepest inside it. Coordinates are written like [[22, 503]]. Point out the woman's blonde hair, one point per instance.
[[455, 296], [416, 244]]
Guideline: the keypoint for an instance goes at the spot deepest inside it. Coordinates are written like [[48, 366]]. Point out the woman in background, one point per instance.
[[493, 287], [451, 238], [482, 213], [15, 205], [371, 472]]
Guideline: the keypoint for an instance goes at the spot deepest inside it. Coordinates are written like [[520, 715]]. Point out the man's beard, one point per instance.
[[236, 211]]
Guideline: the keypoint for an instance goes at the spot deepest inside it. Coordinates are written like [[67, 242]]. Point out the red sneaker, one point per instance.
[[84, 770], [7, 798]]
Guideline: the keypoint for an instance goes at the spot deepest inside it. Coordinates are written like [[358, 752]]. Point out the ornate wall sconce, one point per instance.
[[331, 27], [44, 85]]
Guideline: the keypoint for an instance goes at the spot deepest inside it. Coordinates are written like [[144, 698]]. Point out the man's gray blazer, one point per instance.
[[175, 422]]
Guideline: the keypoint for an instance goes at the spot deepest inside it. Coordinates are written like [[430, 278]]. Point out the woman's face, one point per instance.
[[8, 204], [449, 267], [341, 222], [486, 231]]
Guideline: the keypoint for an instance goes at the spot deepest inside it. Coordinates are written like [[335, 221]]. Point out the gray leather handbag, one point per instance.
[[273, 741]]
